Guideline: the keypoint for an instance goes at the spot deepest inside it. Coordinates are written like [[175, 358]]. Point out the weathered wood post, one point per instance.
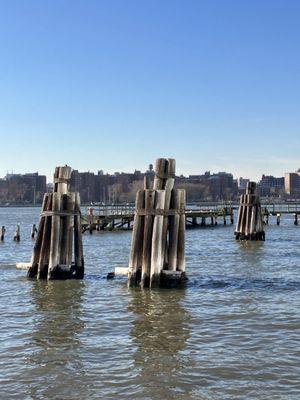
[[59, 228], [249, 221], [157, 246], [266, 221], [17, 235], [231, 216], [2, 233], [33, 231], [296, 219], [278, 219]]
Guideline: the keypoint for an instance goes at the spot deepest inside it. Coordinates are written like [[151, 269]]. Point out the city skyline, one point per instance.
[[49, 177], [214, 85]]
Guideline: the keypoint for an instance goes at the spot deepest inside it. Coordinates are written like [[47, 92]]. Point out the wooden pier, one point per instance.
[[277, 210], [120, 216]]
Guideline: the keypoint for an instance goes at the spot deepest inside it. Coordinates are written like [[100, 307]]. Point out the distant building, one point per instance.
[[23, 189], [269, 185], [212, 187], [292, 183], [242, 183]]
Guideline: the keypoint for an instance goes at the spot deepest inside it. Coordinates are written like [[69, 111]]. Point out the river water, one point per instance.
[[232, 333]]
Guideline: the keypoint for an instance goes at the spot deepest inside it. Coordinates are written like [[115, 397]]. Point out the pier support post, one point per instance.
[[296, 219], [249, 221], [33, 231], [267, 219], [231, 216], [17, 235], [59, 234], [2, 233], [157, 245], [278, 219]]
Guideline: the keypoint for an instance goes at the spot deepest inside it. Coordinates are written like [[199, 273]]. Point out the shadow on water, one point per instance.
[[160, 331], [54, 366], [243, 283]]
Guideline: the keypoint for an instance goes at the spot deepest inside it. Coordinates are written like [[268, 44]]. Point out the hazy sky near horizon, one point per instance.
[[115, 84]]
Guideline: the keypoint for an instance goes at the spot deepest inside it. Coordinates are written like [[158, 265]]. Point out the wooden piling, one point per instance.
[[147, 239], [136, 250], [296, 219], [55, 236], [44, 250], [158, 241], [181, 233], [33, 231], [2, 233], [78, 247], [33, 269], [59, 228], [249, 222], [158, 230], [17, 235], [231, 217], [278, 219]]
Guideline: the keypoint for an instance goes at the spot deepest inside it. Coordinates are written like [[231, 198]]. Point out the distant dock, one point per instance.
[[120, 217]]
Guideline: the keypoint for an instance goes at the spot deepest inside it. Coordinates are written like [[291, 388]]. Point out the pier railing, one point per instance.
[[282, 208], [105, 210]]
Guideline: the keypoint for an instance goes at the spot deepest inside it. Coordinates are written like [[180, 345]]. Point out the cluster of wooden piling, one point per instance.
[[249, 221], [58, 232], [157, 255]]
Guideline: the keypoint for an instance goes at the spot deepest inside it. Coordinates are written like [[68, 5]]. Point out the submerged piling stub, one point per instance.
[[157, 255], [249, 221], [58, 252]]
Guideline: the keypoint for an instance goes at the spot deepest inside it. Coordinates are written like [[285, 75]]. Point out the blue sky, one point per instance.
[[115, 84]]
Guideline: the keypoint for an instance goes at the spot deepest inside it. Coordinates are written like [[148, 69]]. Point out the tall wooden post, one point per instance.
[[249, 221], [58, 232], [157, 246]]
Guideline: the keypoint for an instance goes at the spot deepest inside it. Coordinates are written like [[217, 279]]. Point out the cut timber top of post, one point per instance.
[[62, 176], [164, 173], [251, 187]]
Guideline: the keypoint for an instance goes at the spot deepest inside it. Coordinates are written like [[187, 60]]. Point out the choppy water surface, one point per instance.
[[232, 333]]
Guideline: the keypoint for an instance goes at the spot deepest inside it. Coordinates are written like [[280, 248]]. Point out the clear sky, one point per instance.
[[115, 84]]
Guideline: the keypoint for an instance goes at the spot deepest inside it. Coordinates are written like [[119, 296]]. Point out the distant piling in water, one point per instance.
[[59, 227], [17, 235], [249, 221], [157, 256], [2, 236], [33, 231]]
